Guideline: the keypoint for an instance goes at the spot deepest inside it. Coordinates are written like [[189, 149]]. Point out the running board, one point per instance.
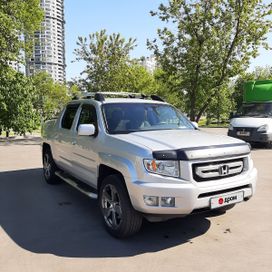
[[80, 186]]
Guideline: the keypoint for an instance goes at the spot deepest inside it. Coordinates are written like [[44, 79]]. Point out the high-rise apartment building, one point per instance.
[[49, 51], [149, 63]]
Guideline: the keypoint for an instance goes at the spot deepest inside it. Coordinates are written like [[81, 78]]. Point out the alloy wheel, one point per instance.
[[111, 206], [47, 166]]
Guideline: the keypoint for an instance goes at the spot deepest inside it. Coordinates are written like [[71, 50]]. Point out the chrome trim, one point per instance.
[[84, 157], [73, 183], [221, 169]]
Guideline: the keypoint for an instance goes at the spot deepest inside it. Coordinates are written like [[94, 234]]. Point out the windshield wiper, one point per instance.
[[122, 131]]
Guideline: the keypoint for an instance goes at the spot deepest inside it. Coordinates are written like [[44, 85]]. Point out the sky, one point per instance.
[[131, 18]]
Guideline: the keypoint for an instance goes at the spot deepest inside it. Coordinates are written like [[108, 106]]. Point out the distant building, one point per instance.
[[49, 50], [16, 66], [149, 63]]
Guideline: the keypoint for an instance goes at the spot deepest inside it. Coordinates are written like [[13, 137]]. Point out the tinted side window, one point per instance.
[[88, 115], [69, 115]]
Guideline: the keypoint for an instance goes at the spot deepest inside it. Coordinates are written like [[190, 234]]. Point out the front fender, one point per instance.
[[123, 165]]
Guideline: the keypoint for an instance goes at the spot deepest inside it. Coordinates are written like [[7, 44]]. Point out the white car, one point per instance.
[[253, 124], [142, 158]]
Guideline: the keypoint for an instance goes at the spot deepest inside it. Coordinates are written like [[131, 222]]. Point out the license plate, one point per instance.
[[226, 199], [243, 133]]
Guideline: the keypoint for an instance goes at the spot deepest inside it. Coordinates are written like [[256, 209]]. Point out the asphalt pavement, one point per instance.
[[56, 228]]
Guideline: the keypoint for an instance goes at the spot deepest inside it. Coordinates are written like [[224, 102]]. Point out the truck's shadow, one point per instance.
[[61, 221]]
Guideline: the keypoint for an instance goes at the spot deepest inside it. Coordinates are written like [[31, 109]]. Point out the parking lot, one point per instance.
[[56, 228]]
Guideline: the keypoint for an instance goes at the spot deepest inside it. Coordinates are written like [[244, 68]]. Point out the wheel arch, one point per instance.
[[111, 164], [105, 171]]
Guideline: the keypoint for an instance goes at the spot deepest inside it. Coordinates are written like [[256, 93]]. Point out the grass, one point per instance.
[[223, 125], [213, 124], [12, 133]]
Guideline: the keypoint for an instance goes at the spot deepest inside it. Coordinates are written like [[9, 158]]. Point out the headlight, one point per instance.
[[230, 127], [263, 128], [166, 168]]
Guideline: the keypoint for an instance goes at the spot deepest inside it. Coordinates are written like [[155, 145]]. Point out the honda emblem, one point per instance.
[[223, 170]]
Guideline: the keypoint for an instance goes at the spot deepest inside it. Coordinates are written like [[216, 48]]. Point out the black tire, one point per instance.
[[120, 218], [268, 145], [49, 168]]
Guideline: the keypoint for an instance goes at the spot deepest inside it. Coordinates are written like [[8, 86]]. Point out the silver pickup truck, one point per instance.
[[142, 158]]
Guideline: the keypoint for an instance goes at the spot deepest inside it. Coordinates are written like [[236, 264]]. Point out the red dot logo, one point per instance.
[[220, 200]]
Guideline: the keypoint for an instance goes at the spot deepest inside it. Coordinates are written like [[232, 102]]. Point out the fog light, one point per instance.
[[151, 200], [168, 201]]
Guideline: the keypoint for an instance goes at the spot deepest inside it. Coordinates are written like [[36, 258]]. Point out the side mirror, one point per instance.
[[195, 124], [86, 130]]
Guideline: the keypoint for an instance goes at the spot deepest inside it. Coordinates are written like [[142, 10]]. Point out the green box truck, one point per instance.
[[253, 121]]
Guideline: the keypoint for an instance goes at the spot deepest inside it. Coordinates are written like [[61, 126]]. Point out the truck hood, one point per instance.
[[252, 122], [177, 139]]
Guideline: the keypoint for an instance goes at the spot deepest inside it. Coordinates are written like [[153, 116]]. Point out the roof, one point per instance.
[[131, 100], [121, 97], [120, 100], [258, 91]]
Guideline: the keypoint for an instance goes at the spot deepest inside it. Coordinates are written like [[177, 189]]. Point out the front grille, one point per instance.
[[246, 129], [217, 170]]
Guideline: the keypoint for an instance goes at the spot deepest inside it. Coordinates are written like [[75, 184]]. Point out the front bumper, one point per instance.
[[189, 196], [254, 136]]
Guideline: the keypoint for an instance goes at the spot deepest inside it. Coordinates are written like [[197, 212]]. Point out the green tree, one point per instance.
[[16, 103], [221, 105], [18, 21], [50, 97], [74, 90], [80, 83], [168, 87], [137, 79], [106, 58], [108, 64], [209, 42]]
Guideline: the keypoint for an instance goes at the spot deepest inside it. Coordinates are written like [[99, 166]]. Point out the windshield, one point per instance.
[[256, 110], [132, 117]]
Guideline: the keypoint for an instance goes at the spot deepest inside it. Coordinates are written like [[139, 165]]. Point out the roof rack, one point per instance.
[[100, 96], [156, 97]]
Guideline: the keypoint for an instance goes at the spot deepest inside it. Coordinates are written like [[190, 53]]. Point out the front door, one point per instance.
[[84, 153], [64, 139]]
